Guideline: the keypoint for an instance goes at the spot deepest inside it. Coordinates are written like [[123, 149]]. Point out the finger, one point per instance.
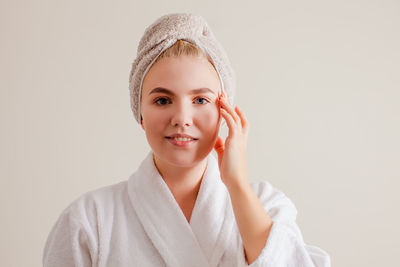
[[219, 145], [243, 119], [229, 120], [225, 105], [229, 108], [219, 148]]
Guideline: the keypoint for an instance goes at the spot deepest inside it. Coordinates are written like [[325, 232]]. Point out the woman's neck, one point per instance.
[[184, 182]]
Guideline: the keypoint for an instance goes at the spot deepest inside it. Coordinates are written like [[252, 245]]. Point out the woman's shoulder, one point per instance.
[[278, 205], [79, 225], [96, 202]]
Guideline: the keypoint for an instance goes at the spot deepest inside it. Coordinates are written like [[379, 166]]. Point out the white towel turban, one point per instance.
[[161, 35]]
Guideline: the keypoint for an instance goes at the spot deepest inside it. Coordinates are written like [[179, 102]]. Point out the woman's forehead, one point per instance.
[[182, 75]]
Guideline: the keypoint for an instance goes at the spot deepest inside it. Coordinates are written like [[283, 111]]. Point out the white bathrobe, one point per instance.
[[139, 223]]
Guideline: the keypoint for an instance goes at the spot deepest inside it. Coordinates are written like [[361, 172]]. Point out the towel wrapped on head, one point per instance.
[[161, 35]]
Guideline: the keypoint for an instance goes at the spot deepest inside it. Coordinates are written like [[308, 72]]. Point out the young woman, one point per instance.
[[183, 206]]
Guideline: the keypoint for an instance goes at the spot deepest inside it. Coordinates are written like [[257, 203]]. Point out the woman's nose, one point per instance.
[[182, 116]]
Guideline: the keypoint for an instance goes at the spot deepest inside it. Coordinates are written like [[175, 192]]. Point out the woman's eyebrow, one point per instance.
[[169, 92]]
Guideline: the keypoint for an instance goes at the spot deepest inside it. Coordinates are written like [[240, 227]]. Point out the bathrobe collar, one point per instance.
[[201, 242]]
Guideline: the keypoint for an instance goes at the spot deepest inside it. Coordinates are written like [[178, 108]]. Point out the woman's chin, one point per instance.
[[181, 159]]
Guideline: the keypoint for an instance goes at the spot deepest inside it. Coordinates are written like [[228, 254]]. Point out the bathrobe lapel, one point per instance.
[[200, 243]]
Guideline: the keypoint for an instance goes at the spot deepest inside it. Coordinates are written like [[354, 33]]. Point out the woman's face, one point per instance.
[[179, 96]]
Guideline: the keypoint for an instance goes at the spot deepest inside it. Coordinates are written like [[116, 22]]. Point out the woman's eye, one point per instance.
[[203, 102], [161, 101]]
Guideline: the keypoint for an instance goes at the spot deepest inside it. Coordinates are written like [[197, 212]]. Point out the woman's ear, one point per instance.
[[141, 121]]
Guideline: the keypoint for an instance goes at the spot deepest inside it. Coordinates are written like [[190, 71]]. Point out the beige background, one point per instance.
[[319, 82]]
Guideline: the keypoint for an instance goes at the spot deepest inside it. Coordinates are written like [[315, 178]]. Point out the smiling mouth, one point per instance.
[[182, 142], [182, 139]]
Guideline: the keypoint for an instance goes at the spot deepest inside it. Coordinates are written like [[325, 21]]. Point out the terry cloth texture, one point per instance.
[[161, 35], [138, 222]]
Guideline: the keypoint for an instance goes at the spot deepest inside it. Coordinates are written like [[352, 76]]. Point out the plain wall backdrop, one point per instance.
[[318, 80]]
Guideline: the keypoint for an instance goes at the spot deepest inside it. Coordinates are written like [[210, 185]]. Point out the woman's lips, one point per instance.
[[181, 143]]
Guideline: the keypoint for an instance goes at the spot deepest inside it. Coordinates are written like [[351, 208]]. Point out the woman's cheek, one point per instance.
[[153, 118], [159, 118], [210, 115], [210, 120]]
